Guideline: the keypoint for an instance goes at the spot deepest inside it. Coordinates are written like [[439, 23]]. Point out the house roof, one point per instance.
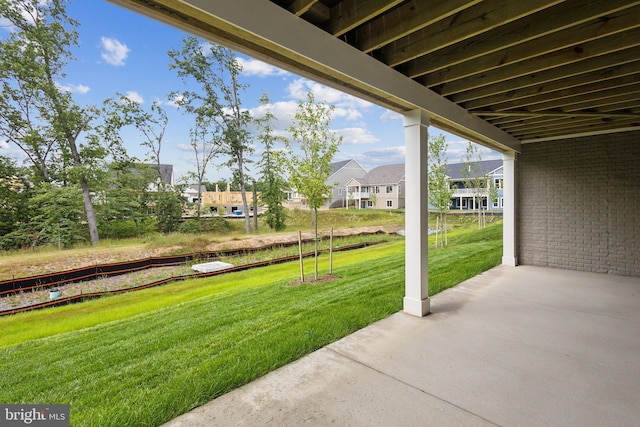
[[166, 173], [193, 188], [336, 166], [495, 72], [454, 170], [381, 175]]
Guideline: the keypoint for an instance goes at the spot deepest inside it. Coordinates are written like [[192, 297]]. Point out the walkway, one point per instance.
[[521, 346]]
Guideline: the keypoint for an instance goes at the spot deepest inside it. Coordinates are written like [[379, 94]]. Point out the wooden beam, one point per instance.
[[349, 14], [592, 100], [556, 89], [465, 24], [553, 75], [528, 29], [598, 127], [574, 36], [593, 49], [300, 7], [404, 20], [547, 113]]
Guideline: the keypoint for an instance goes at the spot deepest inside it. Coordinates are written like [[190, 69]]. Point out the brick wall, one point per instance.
[[579, 204]]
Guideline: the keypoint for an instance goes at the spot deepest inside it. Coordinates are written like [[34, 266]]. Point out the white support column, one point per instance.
[[509, 255], [416, 300]]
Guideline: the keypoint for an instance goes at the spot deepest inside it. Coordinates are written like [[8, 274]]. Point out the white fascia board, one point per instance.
[[265, 31]]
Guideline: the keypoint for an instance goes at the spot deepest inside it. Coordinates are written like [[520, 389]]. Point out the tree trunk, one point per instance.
[[86, 194], [315, 242], [88, 207], [255, 208]]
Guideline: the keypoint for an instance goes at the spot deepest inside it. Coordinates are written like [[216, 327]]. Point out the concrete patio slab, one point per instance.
[[521, 346]]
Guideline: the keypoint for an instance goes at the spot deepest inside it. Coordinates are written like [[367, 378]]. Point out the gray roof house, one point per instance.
[[381, 188], [464, 198], [341, 173]]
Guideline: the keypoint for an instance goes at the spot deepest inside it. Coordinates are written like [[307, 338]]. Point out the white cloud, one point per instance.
[[299, 88], [389, 115], [184, 147], [174, 102], [253, 67], [81, 89], [356, 136], [134, 96], [350, 114], [114, 52], [456, 152], [4, 145], [283, 112]]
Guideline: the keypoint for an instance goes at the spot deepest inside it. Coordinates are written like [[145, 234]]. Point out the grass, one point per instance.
[[146, 357]]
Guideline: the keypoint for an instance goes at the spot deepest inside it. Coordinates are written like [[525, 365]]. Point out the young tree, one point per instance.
[[204, 150], [217, 73], [272, 170], [38, 114], [440, 191], [473, 178], [310, 167]]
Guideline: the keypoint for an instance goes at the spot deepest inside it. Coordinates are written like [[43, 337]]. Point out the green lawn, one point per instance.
[[146, 357]]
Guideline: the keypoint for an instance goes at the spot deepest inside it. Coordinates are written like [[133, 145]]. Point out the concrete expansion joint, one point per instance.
[[398, 380]]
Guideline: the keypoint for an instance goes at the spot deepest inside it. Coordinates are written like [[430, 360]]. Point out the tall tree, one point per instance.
[[310, 166], [37, 112], [272, 170], [216, 71], [204, 150], [151, 124], [440, 191]]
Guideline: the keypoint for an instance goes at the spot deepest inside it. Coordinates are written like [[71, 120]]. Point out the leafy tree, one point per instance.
[[440, 191], [272, 171], [15, 190], [217, 103], [57, 215], [310, 167], [473, 178], [38, 114]]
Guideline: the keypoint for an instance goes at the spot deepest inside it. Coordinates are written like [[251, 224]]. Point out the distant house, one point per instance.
[[226, 202], [191, 193], [381, 188], [341, 173], [491, 174]]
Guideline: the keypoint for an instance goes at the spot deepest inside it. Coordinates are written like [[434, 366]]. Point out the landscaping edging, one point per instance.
[[83, 297]]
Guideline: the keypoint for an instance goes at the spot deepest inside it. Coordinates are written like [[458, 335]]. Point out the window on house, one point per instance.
[[339, 191], [501, 202], [495, 203], [377, 189], [389, 189], [370, 203], [389, 203]]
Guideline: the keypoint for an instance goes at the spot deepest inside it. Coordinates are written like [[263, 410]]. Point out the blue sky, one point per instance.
[[123, 52]]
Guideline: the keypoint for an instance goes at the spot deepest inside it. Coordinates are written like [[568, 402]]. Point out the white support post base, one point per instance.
[[416, 307]]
